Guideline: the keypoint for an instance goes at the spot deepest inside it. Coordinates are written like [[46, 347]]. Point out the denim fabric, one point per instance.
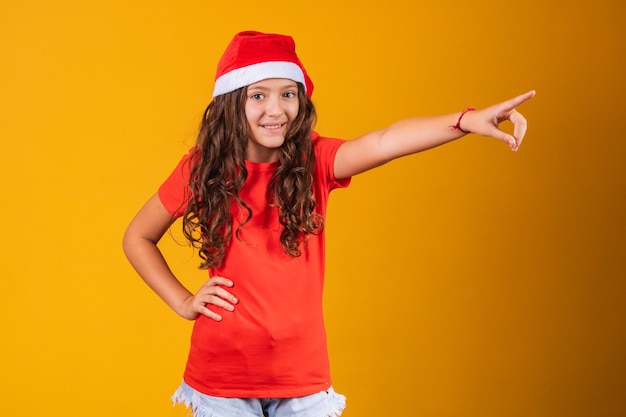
[[323, 404]]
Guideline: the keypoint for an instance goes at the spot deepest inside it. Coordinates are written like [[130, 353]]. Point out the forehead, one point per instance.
[[272, 83]]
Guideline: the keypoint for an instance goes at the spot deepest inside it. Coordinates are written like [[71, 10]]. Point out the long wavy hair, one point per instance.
[[218, 173]]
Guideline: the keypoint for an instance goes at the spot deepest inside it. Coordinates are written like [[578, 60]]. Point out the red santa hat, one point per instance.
[[254, 56]]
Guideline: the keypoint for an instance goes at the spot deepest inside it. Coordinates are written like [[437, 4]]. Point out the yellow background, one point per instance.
[[464, 281]]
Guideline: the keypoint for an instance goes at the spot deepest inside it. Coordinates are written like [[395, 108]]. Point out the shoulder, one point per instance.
[[325, 147], [174, 191]]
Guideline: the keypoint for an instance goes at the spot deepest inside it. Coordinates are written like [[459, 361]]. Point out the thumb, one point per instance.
[[496, 133]]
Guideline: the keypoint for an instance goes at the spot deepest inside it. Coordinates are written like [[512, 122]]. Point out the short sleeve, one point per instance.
[[325, 151], [174, 193]]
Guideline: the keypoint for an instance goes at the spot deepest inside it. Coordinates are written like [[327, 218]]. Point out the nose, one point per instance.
[[273, 106]]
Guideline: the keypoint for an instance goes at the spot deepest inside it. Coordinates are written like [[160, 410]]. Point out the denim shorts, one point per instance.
[[323, 404]]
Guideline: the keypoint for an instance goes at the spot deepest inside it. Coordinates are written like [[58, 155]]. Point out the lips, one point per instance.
[[273, 127]]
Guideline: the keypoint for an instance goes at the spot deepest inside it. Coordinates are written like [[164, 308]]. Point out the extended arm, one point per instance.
[[140, 246], [421, 133]]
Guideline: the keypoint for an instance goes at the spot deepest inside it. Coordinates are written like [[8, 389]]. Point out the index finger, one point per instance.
[[217, 280], [516, 101]]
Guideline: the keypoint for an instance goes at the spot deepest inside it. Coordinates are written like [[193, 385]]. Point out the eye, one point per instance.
[[256, 96], [289, 94]]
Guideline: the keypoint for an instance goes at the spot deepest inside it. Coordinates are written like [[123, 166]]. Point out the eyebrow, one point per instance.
[[283, 87]]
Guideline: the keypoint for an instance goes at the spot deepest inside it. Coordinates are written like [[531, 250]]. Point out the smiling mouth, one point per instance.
[[273, 127]]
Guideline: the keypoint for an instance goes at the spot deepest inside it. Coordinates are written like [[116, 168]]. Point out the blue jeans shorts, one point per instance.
[[323, 404]]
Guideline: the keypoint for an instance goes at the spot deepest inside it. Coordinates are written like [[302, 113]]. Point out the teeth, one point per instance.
[[272, 126]]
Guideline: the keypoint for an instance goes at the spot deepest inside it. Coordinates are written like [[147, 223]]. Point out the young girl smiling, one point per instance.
[[252, 194]]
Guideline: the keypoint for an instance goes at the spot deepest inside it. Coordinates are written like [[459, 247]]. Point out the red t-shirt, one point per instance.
[[274, 344]]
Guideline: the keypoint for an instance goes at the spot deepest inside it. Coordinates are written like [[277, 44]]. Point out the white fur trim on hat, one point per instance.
[[251, 74]]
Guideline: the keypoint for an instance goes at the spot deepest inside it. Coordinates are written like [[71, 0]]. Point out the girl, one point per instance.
[[252, 194]]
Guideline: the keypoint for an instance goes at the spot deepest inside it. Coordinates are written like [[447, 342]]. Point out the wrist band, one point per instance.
[[457, 126]]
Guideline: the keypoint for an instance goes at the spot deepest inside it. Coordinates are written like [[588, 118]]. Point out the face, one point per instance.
[[271, 105]]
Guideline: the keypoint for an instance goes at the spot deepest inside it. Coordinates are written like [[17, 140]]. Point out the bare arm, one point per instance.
[[140, 246], [421, 133]]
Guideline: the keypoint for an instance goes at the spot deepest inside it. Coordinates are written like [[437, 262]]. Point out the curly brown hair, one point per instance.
[[218, 173]]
